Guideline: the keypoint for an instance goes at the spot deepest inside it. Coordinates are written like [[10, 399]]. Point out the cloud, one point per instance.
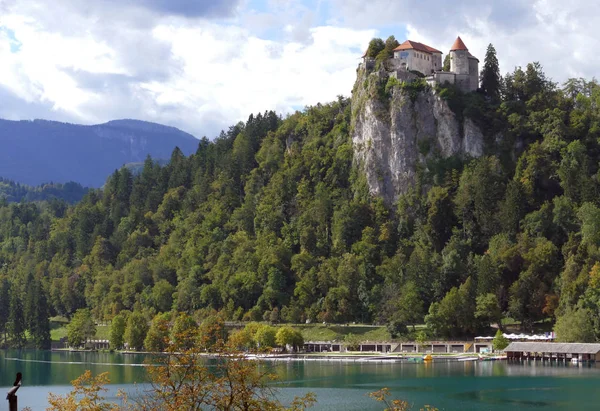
[[187, 8], [196, 74], [204, 65], [558, 34]]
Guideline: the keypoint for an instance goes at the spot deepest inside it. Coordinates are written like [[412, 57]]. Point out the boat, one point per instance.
[[495, 358]]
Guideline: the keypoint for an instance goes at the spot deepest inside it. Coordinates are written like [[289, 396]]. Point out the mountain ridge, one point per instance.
[[37, 151]]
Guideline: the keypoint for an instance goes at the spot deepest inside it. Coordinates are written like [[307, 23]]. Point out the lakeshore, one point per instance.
[[446, 382]]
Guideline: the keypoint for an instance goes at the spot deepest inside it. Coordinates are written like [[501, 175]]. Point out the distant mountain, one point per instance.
[[13, 192], [40, 151]]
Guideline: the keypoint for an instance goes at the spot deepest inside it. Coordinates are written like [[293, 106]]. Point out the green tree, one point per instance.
[[490, 75], [488, 309], [500, 342], [376, 45], [287, 336], [575, 325], [446, 65], [157, 338], [81, 328], [117, 331], [39, 326], [575, 173], [454, 316], [184, 330], [136, 330], [388, 51], [16, 322], [4, 306], [352, 341], [265, 336], [480, 190], [162, 295], [589, 216], [403, 308]]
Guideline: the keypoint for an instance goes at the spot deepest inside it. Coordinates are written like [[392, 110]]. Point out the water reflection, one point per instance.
[[471, 385]]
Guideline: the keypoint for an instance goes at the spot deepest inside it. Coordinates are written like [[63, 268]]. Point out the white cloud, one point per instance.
[[560, 35], [198, 75], [96, 61]]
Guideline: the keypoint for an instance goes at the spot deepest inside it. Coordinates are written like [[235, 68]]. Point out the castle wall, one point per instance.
[[441, 77], [415, 60], [404, 75], [437, 62], [463, 81], [474, 73], [368, 63], [459, 62], [445, 77]]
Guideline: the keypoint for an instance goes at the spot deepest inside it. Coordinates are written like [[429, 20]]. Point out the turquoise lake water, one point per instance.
[[340, 385]]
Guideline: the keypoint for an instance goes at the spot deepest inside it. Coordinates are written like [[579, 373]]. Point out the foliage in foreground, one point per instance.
[[185, 379], [383, 396]]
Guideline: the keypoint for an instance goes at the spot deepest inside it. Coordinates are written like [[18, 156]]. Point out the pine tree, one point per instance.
[[446, 66], [4, 306], [39, 326], [490, 75], [375, 46], [16, 322]]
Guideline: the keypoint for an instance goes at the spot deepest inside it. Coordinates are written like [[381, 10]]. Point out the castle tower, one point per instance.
[[459, 57]]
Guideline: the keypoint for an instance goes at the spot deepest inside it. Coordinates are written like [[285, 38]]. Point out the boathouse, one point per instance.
[[553, 351]]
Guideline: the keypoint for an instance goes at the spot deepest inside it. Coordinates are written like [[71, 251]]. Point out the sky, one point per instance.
[[204, 65]]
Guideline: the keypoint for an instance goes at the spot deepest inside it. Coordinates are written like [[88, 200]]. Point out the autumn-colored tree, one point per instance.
[[383, 396], [87, 395], [185, 380]]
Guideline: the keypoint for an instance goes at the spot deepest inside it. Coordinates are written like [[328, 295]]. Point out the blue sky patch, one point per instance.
[[15, 45]]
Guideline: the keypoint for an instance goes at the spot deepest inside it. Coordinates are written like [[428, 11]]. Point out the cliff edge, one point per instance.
[[400, 126]]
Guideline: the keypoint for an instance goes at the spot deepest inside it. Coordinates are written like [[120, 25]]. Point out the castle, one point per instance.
[[412, 56]]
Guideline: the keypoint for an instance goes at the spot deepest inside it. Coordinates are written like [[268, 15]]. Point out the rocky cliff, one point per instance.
[[400, 128]]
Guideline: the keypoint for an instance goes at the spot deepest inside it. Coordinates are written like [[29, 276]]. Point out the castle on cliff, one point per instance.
[[412, 56]]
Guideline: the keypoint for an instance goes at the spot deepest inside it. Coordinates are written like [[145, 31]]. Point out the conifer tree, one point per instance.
[[16, 322], [490, 75], [39, 327], [4, 306], [446, 66], [375, 46]]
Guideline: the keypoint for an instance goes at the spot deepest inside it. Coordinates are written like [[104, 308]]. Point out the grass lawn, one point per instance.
[[58, 330], [102, 332], [319, 332]]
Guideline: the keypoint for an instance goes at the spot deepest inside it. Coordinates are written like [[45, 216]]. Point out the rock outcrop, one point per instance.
[[396, 131]]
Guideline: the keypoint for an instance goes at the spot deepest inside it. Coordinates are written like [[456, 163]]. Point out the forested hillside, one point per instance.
[[12, 192], [271, 220]]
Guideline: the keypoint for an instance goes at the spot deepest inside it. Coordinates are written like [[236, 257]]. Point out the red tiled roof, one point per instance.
[[469, 55], [458, 45], [414, 45]]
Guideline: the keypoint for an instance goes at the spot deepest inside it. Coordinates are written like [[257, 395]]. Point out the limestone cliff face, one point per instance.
[[395, 135]]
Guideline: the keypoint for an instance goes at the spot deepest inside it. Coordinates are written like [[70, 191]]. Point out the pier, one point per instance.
[[573, 352]]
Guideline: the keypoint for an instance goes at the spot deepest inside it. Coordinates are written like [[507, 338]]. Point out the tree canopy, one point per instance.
[[272, 220]]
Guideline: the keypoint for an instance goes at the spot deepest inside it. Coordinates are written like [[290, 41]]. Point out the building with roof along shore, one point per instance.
[[550, 351], [412, 57]]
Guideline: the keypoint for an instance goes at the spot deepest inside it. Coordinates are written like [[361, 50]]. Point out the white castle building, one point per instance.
[[414, 56]]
